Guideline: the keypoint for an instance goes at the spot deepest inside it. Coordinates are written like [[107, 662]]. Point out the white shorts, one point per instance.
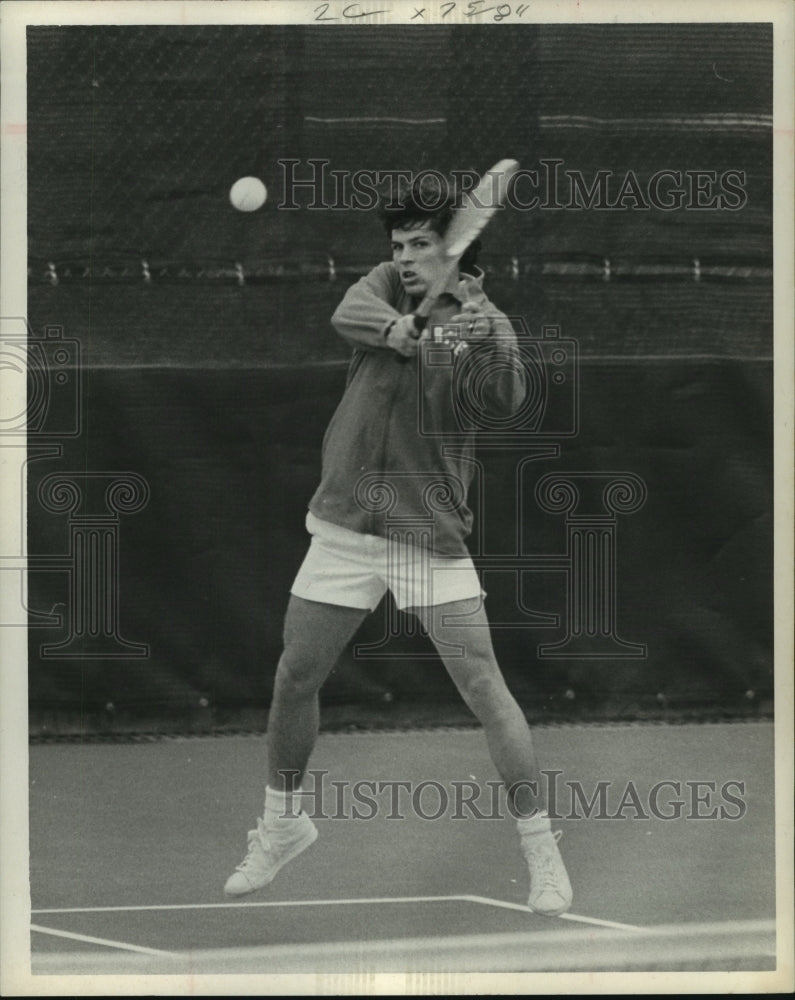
[[355, 570]]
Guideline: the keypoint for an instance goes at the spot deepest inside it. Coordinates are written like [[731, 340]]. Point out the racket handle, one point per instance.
[[420, 322]]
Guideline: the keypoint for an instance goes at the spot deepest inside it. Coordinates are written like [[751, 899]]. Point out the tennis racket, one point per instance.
[[470, 218]]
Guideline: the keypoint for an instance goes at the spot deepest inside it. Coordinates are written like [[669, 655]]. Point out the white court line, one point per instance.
[[604, 923], [252, 903], [481, 900], [564, 916], [88, 939]]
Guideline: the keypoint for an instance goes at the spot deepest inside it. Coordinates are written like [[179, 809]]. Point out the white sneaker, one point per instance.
[[550, 889], [268, 852]]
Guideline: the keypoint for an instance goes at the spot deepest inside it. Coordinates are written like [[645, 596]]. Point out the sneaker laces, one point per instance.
[[257, 845], [260, 841], [543, 859]]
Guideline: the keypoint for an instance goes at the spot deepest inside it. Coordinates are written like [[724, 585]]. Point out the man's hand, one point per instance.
[[403, 337], [475, 324]]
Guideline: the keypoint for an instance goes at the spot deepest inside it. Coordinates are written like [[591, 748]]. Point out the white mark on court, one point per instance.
[[265, 903], [603, 923], [88, 939], [503, 904], [364, 901]]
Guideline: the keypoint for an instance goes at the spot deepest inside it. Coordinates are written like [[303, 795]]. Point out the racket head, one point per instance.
[[469, 219], [477, 207]]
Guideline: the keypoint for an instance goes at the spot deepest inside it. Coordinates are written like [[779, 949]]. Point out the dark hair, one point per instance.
[[428, 198]]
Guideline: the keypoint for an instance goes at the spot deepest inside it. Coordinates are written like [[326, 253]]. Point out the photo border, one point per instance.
[[15, 978]]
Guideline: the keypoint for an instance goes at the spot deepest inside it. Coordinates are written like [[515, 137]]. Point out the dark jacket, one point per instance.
[[398, 455]]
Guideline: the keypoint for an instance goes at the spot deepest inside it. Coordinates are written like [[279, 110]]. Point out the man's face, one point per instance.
[[419, 256]]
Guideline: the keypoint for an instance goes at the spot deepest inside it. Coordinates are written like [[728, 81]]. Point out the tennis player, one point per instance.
[[386, 465]]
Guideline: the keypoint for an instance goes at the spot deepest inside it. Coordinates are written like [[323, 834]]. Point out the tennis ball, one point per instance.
[[248, 194]]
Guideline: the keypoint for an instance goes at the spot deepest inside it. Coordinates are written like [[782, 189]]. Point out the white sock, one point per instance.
[[281, 807], [534, 824]]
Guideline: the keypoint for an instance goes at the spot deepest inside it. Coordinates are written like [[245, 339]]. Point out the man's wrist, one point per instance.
[[420, 322]]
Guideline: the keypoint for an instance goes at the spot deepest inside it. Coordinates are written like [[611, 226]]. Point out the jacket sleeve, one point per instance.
[[367, 309], [505, 385]]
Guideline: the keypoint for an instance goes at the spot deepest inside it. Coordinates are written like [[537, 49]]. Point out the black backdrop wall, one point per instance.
[[208, 368]]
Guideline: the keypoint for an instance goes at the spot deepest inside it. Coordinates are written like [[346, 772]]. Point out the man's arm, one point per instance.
[[486, 329], [507, 387], [367, 310], [367, 317]]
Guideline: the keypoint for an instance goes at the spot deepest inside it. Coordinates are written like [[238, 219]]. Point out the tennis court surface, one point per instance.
[[131, 844]]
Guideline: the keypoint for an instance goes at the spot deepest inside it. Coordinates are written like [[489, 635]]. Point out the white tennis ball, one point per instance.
[[248, 194]]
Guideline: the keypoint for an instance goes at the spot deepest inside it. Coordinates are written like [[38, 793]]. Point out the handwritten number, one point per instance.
[[352, 11], [474, 8]]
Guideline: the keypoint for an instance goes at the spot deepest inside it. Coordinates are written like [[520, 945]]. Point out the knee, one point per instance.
[[487, 695], [298, 673]]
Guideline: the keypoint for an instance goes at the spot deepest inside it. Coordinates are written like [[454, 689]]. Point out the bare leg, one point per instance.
[[315, 635], [477, 676]]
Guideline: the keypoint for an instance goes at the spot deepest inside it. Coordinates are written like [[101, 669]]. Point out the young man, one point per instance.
[[391, 512]]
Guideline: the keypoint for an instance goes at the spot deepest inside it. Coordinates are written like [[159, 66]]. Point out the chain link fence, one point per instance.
[[137, 133], [212, 370]]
